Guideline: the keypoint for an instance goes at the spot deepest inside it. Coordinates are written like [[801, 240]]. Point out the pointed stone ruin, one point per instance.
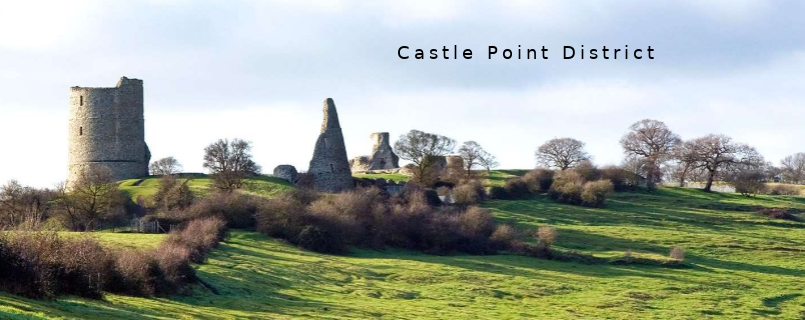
[[329, 167], [382, 158]]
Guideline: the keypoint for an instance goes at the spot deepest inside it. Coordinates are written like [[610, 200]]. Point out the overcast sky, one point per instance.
[[260, 70]]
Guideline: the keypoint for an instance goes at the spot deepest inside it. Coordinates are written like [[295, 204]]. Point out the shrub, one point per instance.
[[595, 193], [140, 274], [469, 193], [172, 194], [546, 236], [622, 180], [320, 240], [784, 190], [539, 180], [517, 188], [677, 253], [238, 210], [42, 265], [587, 170], [567, 187], [199, 236], [174, 261], [499, 193], [777, 213], [503, 236]]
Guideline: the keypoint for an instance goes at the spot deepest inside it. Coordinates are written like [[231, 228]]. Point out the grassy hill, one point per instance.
[[741, 265], [201, 185]]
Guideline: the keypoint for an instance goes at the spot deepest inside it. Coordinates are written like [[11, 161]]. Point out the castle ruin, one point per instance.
[[329, 167], [382, 158], [107, 128]]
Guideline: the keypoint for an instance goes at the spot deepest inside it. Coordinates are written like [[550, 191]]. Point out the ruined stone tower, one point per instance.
[[329, 167], [107, 129], [382, 158]]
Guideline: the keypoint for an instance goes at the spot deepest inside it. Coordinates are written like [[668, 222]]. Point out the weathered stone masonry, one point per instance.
[[329, 167], [107, 128]]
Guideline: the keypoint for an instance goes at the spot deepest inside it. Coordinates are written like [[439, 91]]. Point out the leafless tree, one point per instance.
[[229, 163], [23, 205], [93, 198], [793, 168], [473, 155], [488, 161], [422, 149], [165, 166], [717, 153], [653, 141], [561, 153]]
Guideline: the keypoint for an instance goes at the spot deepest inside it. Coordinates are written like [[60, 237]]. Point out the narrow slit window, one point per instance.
[[81, 101], [332, 169], [80, 131]]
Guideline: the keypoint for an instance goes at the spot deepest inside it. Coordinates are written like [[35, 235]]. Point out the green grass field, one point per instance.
[[201, 186], [740, 265]]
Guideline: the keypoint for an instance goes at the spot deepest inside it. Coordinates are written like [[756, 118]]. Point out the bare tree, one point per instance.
[[473, 155], [229, 163], [488, 161], [653, 141], [23, 205], [93, 198], [717, 153], [793, 168], [423, 149], [165, 166], [562, 153]]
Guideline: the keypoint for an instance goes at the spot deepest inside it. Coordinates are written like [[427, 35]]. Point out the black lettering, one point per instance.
[[616, 53], [593, 54], [492, 52], [433, 54], [650, 50], [445, 50], [529, 52], [605, 52], [419, 54], [635, 54], [504, 54], [572, 55], [543, 53], [467, 54], [399, 54]]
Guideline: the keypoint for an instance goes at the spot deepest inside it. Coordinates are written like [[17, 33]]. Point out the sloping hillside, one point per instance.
[[201, 185], [742, 265]]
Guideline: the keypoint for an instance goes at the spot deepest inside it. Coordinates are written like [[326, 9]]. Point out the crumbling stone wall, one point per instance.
[[329, 167], [287, 172], [107, 128], [382, 158]]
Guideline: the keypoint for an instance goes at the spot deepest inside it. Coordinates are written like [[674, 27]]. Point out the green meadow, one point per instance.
[[739, 265]]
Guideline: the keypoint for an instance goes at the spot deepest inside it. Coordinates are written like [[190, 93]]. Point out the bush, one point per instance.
[[777, 213], [567, 187], [173, 195], [469, 193], [677, 253], [622, 180], [539, 180], [42, 265], [517, 188], [199, 236], [503, 236], [596, 192], [784, 190], [364, 217], [499, 193], [174, 261], [238, 210], [587, 170], [140, 274]]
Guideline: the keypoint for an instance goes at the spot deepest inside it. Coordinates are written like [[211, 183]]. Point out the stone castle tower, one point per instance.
[[382, 158], [329, 167], [107, 128]]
